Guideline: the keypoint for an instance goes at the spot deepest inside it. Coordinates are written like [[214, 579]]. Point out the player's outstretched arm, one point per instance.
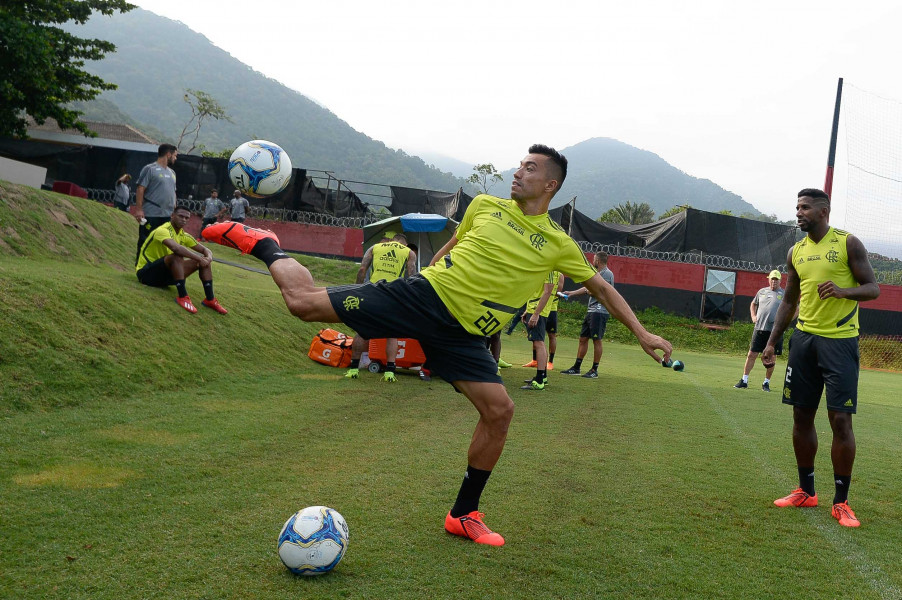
[[444, 250], [617, 306]]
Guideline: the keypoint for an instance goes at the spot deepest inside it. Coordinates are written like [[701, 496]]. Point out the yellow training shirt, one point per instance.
[[154, 249], [389, 261], [533, 302], [827, 260], [500, 258]]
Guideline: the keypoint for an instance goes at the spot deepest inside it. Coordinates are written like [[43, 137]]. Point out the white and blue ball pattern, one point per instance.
[[259, 168], [313, 540]]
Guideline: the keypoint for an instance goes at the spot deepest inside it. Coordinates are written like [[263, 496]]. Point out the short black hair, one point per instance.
[[182, 206], [816, 194], [165, 149], [602, 256], [556, 157]]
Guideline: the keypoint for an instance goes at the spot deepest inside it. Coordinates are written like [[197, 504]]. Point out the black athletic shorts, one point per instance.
[[816, 362], [156, 274], [206, 223], [410, 308], [537, 333], [759, 342], [594, 325], [551, 323]]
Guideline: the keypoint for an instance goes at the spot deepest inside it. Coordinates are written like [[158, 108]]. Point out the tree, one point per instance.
[[203, 107], [726, 211], [485, 176], [634, 214], [611, 216], [41, 66], [673, 210]]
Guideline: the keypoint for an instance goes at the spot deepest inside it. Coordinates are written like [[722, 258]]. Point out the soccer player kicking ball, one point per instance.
[[501, 252], [828, 271]]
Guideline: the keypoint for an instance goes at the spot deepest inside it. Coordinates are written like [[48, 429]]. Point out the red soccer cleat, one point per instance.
[[236, 235], [797, 497], [471, 526], [215, 305], [185, 302], [842, 513]]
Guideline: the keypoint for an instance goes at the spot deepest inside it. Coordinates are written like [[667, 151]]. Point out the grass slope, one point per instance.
[[645, 483]]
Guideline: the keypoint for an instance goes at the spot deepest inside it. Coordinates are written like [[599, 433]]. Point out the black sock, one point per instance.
[[533, 353], [470, 491], [842, 487], [180, 288], [594, 366], [208, 289], [355, 363], [268, 251], [806, 480], [541, 375], [577, 364], [551, 357], [390, 366]]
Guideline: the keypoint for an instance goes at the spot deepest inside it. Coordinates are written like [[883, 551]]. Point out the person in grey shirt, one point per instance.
[[123, 195], [595, 323], [155, 193], [763, 310], [239, 206], [213, 209]]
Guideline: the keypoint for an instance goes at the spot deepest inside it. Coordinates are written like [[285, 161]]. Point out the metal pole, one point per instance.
[[831, 155]]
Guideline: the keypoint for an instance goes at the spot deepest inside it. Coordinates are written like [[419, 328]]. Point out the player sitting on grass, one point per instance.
[[169, 255], [501, 252]]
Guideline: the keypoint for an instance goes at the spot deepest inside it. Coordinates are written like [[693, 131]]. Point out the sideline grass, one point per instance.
[[645, 483]]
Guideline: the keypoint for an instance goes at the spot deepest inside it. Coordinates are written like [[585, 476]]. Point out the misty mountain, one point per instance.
[[157, 59], [604, 172]]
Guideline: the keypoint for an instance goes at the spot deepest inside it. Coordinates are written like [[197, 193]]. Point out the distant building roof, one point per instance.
[[108, 131]]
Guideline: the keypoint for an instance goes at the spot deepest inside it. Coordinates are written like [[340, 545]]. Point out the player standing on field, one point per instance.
[[828, 275], [501, 252]]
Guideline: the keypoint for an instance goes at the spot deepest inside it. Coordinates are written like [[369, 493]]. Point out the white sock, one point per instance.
[[745, 379], [766, 380]]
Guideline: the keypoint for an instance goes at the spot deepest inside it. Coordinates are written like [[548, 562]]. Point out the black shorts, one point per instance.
[[594, 325], [237, 219], [537, 333], [206, 223], [410, 308], [759, 342], [156, 274], [816, 362], [551, 323]]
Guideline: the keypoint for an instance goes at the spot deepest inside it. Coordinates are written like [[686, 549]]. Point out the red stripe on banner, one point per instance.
[[657, 273]]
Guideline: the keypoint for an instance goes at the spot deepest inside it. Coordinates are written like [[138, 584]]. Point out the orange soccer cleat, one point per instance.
[[215, 305], [236, 235], [842, 513], [531, 364], [797, 497], [471, 526]]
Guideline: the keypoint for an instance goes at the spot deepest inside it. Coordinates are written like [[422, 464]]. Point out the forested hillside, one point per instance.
[[157, 59]]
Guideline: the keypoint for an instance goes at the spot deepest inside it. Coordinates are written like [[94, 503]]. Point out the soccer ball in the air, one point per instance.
[[259, 168], [313, 540]]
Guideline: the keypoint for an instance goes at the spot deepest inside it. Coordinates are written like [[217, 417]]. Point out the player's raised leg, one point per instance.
[[496, 410], [302, 297]]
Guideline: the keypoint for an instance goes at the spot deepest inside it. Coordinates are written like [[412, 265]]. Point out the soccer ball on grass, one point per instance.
[[313, 540], [259, 168]]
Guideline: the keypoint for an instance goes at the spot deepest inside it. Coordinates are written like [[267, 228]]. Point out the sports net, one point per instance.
[[873, 127]]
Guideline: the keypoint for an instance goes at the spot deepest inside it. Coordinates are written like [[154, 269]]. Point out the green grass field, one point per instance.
[[149, 453]]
